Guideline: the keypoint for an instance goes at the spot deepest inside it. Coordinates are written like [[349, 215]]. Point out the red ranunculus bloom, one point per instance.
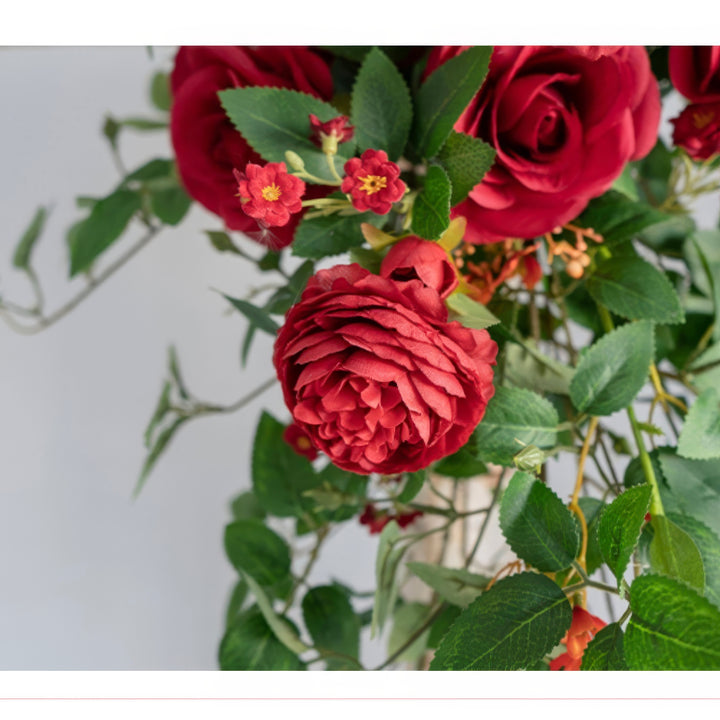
[[697, 130], [376, 519], [299, 441], [416, 259], [582, 630], [373, 182], [695, 72], [269, 194], [564, 122], [334, 131], [207, 145], [375, 374]]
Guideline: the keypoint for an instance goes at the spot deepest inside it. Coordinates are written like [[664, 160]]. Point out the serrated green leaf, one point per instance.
[[431, 209], [673, 553], [161, 443], [634, 289], [537, 525], [619, 527], [470, 313], [160, 91], [605, 651], [671, 627], [106, 223], [407, 619], [275, 120], [257, 316], [323, 236], [522, 618], [386, 565], [700, 436], [613, 370], [381, 106], [438, 629], [458, 586], [466, 160], [514, 418], [23, 250], [256, 550], [442, 98], [592, 509]]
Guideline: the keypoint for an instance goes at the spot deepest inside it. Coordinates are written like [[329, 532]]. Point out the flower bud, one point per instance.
[[294, 161]]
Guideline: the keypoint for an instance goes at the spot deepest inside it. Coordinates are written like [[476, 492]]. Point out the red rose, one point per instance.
[[375, 374], [373, 182], [582, 630], [697, 130], [695, 72], [416, 259], [564, 121], [207, 145]]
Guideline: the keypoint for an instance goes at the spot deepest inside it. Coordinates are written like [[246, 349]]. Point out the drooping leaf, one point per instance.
[[457, 586], [161, 442], [470, 313], [413, 485], [700, 435], [386, 565], [255, 549], [673, 553], [605, 651], [466, 160], [257, 316], [431, 210], [23, 250]]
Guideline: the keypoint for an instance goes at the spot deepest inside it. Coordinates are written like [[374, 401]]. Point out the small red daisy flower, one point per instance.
[[328, 135], [372, 181], [269, 194], [299, 441]]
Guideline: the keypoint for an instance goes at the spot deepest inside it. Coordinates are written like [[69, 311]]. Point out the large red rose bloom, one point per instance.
[[695, 72], [377, 377], [207, 146]]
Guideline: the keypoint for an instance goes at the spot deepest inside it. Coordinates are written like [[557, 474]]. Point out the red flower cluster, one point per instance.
[[373, 182], [328, 135], [376, 519], [582, 630], [269, 194], [299, 441]]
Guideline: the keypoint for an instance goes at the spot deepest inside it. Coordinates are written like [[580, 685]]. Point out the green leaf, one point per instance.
[[526, 367], [442, 98], [319, 237], [298, 280], [161, 410], [332, 624], [161, 443], [280, 476], [160, 91], [431, 209], [23, 251], [537, 525], [249, 644], [620, 525], [457, 586], [255, 549], [246, 506], [274, 120], [522, 618], [470, 313], [407, 619], [106, 223], [381, 106], [143, 124], [413, 485], [613, 370], [625, 183], [700, 435], [605, 651], [634, 289], [386, 565], [514, 418], [702, 250], [592, 510], [170, 205], [673, 553], [671, 627], [257, 316], [438, 629], [462, 464], [154, 169], [466, 160]]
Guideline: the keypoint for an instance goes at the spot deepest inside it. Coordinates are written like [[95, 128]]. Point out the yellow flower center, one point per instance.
[[271, 192], [373, 183], [303, 443], [701, 119]]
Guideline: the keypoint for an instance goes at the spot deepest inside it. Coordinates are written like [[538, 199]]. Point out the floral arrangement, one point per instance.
[[486, 278]]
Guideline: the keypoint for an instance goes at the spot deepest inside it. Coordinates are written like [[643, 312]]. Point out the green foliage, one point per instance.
[[23, 250], [160, 91], [246, 507], [257, 316], [514, 418], [466, 160], [442, 98], [431, 209], [170, 205], [527, 367], [673, 553], [522, 618], [407, 618], [160, 444], [413, 485], [469, 312], [619, 527], [235, 604], [702, 251], [323, 236], [388, 559], [457, 586], [671, 627], [613, 370], [462, 464], [537, 525], [700, 436], [605, 651], [592, 509], [255, 549], [381, 106]]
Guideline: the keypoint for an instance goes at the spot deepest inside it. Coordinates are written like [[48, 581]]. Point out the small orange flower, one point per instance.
[[582, 630]]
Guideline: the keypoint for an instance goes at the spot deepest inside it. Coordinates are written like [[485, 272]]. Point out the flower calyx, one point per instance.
[[328, 135]]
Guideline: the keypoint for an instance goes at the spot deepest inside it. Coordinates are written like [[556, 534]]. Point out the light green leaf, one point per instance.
[[431, 209], [23, 251], [457, 586], [673, 553], [407, 618], [386, 565], [536, 371], [160, 91], [466, 160], [470, 313], [700, 435]]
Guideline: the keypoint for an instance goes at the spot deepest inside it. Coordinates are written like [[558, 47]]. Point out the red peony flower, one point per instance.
[[373, 182], [697, 130], [207, 145], [269, 194], [373, 372], [376, 519], [328, 135], [416, 259], [564, 122], [695, 72], [582, 630], [299, 441]]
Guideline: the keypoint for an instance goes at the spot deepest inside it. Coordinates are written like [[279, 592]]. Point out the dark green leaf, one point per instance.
[[320, 237], [274, 120], [466, 160], [381, 107], [332, 624], [143, 124], [605, 651], [470, 313], [108, 219], [619, 527], [634, 289], [222, 242], [161, 409], [614, 369], [702, 250], [443, 97], [654, 172], [236, 602], [257, 316], [457, 586], [700, 435], [413, 485], [673, 553], [592, 509], [170, 205], [522, 618], [462, 464], [671, 627], [537, 525], [298, 280], [152, 170], [160, 91], [255, 549], [431, 210], [438, 629], [247, 507], [161, 443], [23, 251]]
